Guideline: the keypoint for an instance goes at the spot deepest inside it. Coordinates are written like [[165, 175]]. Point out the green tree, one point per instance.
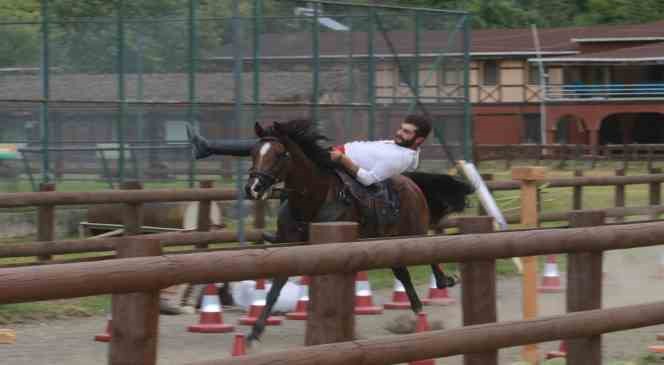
[[19, 44]]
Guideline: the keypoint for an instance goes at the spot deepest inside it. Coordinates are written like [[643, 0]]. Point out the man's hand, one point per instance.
[[335, 155], [343, 160]]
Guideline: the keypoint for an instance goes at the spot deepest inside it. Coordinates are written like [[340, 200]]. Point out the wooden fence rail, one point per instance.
[[471, 339], [150, 273], [13, 200], [110, 243], [623, 153]]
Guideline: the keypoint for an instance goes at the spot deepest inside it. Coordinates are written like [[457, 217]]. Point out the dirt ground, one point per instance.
[[628, 281]]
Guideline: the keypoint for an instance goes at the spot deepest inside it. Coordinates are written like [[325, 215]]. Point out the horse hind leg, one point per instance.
[[402, 274], [443, 281], [272, 296]]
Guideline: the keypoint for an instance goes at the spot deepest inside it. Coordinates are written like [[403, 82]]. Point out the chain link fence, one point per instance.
[[93, 97]]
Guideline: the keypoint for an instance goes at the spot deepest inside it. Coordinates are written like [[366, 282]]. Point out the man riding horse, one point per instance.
[[367, 182]]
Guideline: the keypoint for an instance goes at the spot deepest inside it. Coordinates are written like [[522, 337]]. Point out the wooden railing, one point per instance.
[[142, 269], [570, 153], [150, 273]]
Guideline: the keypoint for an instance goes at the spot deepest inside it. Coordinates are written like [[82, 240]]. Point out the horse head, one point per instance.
[[271, 162]]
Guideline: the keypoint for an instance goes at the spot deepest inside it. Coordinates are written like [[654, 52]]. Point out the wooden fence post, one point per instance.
[[508, 157], [577, 195], [584, 290], [578, 154], [540, 153], [203, 218], [331, 297], [651, 152], [478, 293], [136, 315], [655, 193], [620, 195], [529, 176], [45, 220]]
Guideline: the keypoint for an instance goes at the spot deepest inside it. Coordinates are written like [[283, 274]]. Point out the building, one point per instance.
[[603, 84]]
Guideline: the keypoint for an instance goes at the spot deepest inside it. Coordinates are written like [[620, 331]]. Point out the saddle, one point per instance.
[[379, 203]]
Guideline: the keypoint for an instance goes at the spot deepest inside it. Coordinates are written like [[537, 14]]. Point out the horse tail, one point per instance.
[[445, 194]]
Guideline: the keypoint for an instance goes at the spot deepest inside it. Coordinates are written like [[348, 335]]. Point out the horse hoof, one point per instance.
[[451, 281]]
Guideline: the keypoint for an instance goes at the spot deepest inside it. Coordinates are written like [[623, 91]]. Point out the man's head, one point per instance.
[[413, 131]]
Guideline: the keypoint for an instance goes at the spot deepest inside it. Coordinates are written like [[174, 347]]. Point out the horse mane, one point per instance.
[[303, 132]]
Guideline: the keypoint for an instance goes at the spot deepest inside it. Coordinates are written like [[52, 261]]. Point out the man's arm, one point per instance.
[[380, 172], [349, 165]]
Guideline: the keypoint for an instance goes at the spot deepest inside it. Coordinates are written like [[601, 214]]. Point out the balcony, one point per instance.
[[604, 92]]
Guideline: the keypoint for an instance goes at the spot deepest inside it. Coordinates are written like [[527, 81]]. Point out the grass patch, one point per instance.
[[54, 309]]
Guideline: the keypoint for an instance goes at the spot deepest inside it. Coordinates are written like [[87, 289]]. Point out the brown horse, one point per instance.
[[290, 153]]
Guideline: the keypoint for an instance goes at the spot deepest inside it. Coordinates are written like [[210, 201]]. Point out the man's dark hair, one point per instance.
[[422, 123]]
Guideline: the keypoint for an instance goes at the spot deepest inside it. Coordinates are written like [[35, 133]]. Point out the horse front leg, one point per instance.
[[272, 296], [402, 274], [443, 281]]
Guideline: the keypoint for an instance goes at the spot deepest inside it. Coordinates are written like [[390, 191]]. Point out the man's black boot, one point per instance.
[[199, 145]]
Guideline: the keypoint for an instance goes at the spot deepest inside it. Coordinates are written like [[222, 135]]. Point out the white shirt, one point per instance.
[[380, 160]]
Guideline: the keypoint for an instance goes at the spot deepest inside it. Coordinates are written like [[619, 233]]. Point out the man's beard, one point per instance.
[[408, 143]]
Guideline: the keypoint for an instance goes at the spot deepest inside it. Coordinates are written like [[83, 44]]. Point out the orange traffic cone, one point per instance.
[[422, 325], [300, 312], [550, 282], [257, 307], [562, 351], [363, 298], [106, 337], [399, 297], [239, 345], [437, 296], [211, 318], [658, 349]]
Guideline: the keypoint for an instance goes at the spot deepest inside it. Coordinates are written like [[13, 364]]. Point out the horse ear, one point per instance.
[[260, 132]]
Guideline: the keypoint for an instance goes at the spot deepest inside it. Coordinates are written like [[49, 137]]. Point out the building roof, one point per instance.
[[650, 53], [210, 87], [485, 42]]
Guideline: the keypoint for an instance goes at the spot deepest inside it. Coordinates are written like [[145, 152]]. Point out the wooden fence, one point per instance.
[[619, 210], [570, 153], [142, 268]]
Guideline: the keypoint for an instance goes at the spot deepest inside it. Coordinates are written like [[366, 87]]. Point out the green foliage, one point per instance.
[[546, 13], [91, 45], [19, 44]]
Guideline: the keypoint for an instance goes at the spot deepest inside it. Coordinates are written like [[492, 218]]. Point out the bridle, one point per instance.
[[271, 176]]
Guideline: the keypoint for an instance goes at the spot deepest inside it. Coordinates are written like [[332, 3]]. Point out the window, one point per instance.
[[531, 128], [406, 74], [176, 131], [452, 74], [490, 73], [533, 73]]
